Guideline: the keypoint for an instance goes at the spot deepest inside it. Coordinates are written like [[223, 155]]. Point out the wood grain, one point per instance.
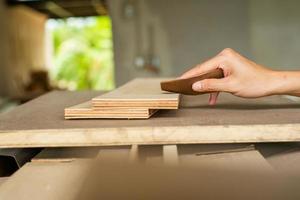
[[141, 92], [86, 111]]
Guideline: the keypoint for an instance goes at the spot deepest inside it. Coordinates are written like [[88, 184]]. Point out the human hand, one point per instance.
[[242, 77]]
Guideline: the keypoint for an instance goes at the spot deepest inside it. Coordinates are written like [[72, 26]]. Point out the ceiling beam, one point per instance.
[[99, 7], [58, 10]]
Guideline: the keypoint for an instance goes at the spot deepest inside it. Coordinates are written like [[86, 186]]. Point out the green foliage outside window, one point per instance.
[[82, 53]]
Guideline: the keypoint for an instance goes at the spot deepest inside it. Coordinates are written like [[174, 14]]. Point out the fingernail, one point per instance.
[[197, 86]]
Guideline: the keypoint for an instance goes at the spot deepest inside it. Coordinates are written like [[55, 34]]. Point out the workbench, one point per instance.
[[238, 128], [41, 123]]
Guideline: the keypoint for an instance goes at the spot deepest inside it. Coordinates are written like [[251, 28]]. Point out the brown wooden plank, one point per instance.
[[141, 92]]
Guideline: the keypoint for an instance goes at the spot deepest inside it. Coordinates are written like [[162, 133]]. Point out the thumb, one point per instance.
[[211, 85]]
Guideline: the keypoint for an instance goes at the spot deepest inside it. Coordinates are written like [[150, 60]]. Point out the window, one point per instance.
[[81, 53]]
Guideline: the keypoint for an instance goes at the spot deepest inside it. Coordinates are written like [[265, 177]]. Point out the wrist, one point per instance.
[[284, 82]]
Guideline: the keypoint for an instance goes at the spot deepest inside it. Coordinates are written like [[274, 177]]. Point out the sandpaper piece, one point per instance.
[[139, 93], [184, 86], [86, 111]]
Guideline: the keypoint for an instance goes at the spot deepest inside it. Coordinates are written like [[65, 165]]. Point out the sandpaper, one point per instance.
[[184, 86]]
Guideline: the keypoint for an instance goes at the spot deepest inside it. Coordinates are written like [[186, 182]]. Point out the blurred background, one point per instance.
[[101, 44]]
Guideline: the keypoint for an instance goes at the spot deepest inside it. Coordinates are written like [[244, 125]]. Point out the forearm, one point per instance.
[[286, 82]]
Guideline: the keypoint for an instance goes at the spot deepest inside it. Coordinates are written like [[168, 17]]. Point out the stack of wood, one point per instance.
[[137, 99]]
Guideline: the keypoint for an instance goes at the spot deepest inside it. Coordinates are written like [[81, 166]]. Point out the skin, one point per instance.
[[243, 78]]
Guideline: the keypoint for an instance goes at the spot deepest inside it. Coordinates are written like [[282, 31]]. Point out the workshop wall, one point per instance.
[[22, 49], [165, 38], [27, 44], [174, 35], [275, 33], [162, 38]]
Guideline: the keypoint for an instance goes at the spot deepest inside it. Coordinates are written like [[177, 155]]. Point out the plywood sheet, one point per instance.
[[86, 111], [41, 123], [141, 92]]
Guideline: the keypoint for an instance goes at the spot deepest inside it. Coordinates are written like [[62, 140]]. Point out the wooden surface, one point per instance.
[[57, 174], [48, 181], [141, 92], [286, 162], [85, 111], [40, 123], [52, 177], [2, 180]]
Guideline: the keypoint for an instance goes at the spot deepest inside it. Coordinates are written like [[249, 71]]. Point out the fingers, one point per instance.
[[211, 64], [212, 85], [213, 98]]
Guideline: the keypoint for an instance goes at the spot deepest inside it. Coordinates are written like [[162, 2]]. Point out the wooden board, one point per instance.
[[181, 181], [57, 173], [118, 180], [141, 92], [48, 181], [85, 111], [41, 123]]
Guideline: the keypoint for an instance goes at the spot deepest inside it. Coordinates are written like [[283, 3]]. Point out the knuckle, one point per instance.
[[223, 59], [206, 85], [227, 52]]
